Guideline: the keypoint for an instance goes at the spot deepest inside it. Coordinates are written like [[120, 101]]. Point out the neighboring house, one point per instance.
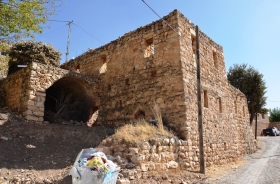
[[153, 63], [263, 122]]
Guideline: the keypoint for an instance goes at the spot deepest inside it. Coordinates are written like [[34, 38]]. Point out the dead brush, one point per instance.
[[157, 113], [141, 131]]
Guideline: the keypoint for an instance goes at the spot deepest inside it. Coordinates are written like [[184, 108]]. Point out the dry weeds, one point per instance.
[[215, 171], [141, 131]]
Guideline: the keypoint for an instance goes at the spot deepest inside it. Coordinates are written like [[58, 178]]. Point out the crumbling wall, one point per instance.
[[227, 133], [15, 89], [141, 66], [131, 79]]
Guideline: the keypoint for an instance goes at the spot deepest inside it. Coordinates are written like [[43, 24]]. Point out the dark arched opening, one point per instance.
[[139, 115], [68, 99]]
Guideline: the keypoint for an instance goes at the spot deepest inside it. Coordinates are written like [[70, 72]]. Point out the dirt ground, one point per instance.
[[44, 153]]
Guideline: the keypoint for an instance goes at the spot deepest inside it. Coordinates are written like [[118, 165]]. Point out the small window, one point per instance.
[[243, 111], [235, 107], [77, 68], [127, 81], [153, 73], [220, 105], [109, 87], [103, 67], [215, 59], [103, 59], [193, 44], [150, 49], [263, 116], [205, 95]]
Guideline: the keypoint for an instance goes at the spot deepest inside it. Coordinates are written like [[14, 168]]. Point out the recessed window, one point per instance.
[[153, 73], [149, 51], [235, 107], [193, 44], [109, 87], [103, 67], [205, 101], [220, 105], [243, 111], [127, 81], [77, 68], [263, 116], [215, 59]]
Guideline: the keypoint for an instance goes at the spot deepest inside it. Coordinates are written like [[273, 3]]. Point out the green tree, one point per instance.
[[250, 82], [23, 18], [24, 52], [274, 115]]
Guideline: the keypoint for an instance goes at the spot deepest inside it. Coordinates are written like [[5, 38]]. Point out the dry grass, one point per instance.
[[216, 171], [157, 113], [141, 131]]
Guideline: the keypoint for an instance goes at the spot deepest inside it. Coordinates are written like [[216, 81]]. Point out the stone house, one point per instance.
[[121, 79]]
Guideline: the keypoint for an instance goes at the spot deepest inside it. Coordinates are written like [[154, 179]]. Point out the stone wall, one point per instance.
[[25, 90], [168, 76], [131, 78], [160, 154], [16, 88]]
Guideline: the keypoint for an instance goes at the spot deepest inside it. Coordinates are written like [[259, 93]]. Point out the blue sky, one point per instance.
[[247, 30]]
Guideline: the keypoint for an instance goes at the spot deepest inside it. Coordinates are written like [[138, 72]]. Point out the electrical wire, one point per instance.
[[88, 33], [50, 31]]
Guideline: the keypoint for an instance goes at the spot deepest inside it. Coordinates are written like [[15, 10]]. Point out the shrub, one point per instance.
[[141, 131], [274, 115], [25, 52]]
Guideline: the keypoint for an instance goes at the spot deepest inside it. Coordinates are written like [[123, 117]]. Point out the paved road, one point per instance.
[[263, 167]]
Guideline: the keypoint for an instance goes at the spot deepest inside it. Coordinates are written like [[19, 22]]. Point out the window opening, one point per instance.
[[235, 107], [109, 87], [153, 73], [139, 115], [103, 68], [220, 105], [215, 59], [193, 44], [205, 95], [150, 49], [243, 111], [127, 81], [263, 116]]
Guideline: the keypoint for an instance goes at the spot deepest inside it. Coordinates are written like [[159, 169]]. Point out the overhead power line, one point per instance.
[[88, 33]]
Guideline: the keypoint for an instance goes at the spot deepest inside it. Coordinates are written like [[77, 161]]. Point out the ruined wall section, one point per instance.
[[131, 78], [42, 77], [225, 111], [16, 87]]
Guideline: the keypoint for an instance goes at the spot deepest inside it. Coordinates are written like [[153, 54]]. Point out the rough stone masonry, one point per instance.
[[121, 80]]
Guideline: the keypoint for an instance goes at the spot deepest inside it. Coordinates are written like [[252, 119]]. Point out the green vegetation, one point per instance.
[[25, 52], [250, 82], [22, 18], [274, 115]]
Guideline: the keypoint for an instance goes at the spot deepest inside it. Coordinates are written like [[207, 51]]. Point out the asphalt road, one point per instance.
[[262, 167]]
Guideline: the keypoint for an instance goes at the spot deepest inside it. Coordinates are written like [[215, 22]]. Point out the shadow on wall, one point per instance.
[[68, 99]]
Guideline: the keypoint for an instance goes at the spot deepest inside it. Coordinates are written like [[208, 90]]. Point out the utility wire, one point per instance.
[[88, 33], [51, 31], [59, 21]]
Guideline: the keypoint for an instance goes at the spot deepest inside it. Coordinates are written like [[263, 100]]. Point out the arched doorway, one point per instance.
[[69, 98]]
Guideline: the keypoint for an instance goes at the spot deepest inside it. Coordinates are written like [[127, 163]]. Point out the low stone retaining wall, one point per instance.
[[161, 154]]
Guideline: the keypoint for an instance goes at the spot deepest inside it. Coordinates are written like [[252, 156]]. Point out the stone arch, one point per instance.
[[139, 114], [70, 98]]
